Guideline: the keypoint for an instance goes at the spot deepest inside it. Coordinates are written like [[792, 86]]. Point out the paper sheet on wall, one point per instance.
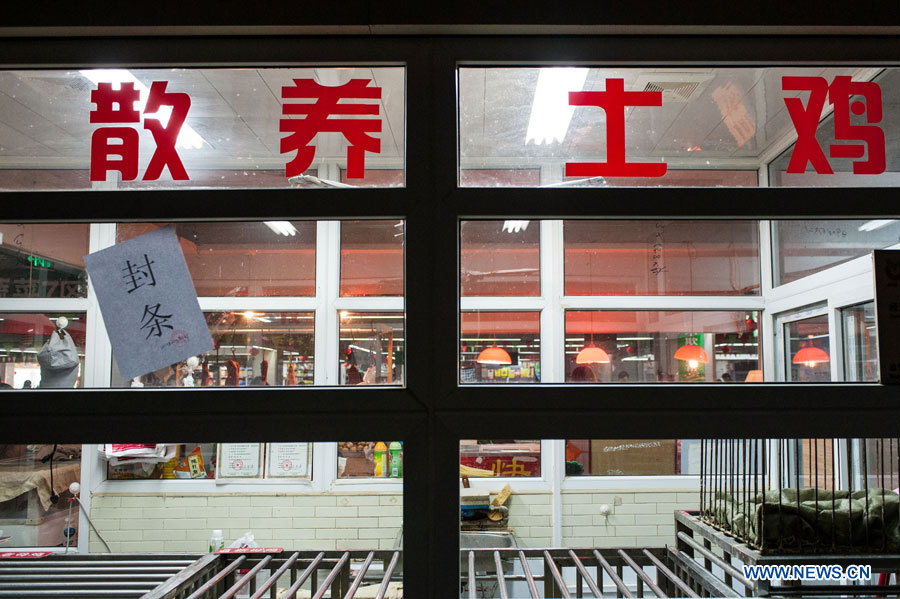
[[148, 302], [239, 460]]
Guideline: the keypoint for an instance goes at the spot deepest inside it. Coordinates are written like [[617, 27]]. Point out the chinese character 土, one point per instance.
[[154, 322], [806, 120], [117, 106], [138, 275], [355, 130], [613, 101]]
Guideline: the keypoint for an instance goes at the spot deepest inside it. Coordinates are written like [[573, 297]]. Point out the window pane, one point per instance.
[[372, 347], [242, 128], [632, 457], [707, 126], [24, 335], [500, 257], [500, 347], [860, 343], [252, 349], [189, 461], [808, 350], [43, 260], [661, 258], [28, 513], [803, 247], [480, 458], [274, 258], [655, 346], [371, 257], [370, 459]]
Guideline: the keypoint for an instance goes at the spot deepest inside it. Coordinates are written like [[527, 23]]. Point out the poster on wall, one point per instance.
[[239, 460], [148, 302], [287, 460], [887, 313]]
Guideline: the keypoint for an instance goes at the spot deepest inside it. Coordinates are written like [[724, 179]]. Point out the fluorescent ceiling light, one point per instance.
[[875, 224], [188, 139], [550, 111], [282, 227], [514, 226]]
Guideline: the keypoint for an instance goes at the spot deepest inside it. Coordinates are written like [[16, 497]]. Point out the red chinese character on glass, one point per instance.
[[116, 148], [613, 101], [806, 119], [356, 131]]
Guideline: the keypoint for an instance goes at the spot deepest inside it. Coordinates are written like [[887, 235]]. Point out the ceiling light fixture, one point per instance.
[[550, 110], [282, 227], [592, 355], [810, 356], [515, 226], [693, 354], [188, 139], [493, 355]]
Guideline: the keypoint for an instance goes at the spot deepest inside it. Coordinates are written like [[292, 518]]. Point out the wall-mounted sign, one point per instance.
[[39, 262], [239, 460]]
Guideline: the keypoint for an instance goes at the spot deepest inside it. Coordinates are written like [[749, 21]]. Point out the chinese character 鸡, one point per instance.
[[806, 120], [138, 275], [117, 106], [154, 321], [317, 120], [613, 101]]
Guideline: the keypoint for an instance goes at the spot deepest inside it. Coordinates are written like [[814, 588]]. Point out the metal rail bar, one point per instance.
[[219, 576], [90, 570], [291, 592], [531, 586], [642, 575], [836, 589], [586, 575], [471, 575], [612, 574], [335, 571], [116, 584], [671, 576], [359, 577], [82, 577], [728, 568], [707, 582], [554, 571], [23, 593], [386, 581], [246, 578], [275, 576], [501, 581], [98, 562]]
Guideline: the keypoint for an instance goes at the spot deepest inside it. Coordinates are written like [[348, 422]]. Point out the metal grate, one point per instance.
[[80, 575], [335, 573]]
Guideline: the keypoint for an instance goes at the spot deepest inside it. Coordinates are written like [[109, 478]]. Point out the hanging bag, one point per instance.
[[59, 353]]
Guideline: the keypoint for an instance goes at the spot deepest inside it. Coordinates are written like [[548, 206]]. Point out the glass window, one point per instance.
[[500, 257], [370, 459], [23, 338], [372, 347], [34, 512], [241, 128], [808, 350], [251, 349], [143, 461], [371, 258], [860, 343], [632, 457], [695, 126], [273, 258], [613, 257], [803, 247], [480, 458], [661, 346], [43, 260], [500, 347]]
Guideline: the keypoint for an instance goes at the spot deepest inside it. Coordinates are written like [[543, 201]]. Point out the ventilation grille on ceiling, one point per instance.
[[675, 87]]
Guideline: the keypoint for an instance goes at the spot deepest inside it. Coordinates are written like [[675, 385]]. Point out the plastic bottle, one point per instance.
[[381, 457], [216, 541], [396, 459]]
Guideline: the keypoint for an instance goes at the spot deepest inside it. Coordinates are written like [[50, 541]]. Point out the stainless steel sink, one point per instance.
[[484, 539]]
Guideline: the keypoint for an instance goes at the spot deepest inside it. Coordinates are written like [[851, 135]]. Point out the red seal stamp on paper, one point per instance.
[[237, 464], [286, 465], [179, 338]]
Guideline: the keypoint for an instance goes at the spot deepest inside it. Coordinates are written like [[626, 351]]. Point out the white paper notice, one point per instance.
[[148, 302], [288, 459], [238, 460]]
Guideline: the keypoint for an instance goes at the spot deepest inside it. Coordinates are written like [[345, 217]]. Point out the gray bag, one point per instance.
[[59, 352]]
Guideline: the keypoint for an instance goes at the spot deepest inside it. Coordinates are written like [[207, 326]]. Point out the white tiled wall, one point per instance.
[[178, 523]]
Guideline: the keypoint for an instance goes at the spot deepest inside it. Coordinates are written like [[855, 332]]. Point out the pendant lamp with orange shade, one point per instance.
[[591, 354], [809, 356]]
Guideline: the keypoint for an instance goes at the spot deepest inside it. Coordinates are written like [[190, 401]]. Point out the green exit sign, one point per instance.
[[40, 262]]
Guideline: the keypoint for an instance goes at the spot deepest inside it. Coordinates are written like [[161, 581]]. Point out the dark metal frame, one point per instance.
[[432, 412]]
